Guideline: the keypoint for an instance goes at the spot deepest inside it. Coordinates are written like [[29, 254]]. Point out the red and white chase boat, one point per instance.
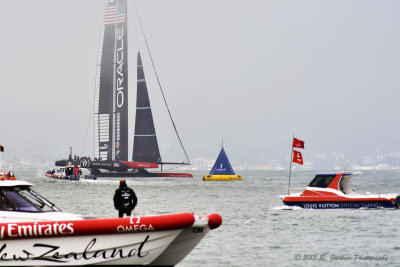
[[333, 191], [34, 232]]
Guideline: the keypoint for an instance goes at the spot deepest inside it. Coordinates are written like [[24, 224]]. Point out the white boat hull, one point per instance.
[[125, 241], [33, 232]]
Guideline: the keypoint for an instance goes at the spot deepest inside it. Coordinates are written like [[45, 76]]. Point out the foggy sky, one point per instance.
[[252, 73]]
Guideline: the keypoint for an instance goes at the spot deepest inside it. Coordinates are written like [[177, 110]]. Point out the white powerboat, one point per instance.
[[333, 191], [33, 231], [70, 172]]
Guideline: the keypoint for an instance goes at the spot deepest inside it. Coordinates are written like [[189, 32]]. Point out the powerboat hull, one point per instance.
[[341, 204], [69, 172], [333, 191], [62, 177], [162, 240], [70, 177], [34, 232]]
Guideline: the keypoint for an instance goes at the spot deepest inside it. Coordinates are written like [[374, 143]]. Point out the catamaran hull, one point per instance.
[[151, 241], [341, 204], [118, 169], [143, 175]]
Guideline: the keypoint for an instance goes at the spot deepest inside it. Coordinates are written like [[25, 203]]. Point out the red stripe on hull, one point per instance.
[[140, 165], [173, 174], [95, 226], [332, 199]]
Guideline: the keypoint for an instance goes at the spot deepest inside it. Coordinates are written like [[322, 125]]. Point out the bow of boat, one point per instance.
[[162, 240]]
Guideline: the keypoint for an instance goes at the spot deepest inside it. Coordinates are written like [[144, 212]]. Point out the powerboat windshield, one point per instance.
[[22, 198]]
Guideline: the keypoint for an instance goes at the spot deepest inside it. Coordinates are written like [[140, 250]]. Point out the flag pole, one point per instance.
[[290, 167]]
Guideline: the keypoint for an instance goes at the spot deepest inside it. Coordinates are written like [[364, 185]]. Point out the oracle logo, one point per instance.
[[120, 64]]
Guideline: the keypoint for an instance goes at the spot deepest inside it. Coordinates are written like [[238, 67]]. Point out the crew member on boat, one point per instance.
[[125, 199]]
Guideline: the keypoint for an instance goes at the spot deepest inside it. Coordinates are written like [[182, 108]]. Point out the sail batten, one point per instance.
[[145, 148]]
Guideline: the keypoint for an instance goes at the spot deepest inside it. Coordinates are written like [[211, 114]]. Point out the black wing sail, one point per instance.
[[111, 97], [145, 148]]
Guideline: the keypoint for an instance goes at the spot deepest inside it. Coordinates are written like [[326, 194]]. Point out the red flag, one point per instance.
[[297, 157], [297, 143], [1, 148]]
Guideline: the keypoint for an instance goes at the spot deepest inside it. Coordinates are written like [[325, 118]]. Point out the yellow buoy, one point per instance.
[[222, 170], [222, 177]]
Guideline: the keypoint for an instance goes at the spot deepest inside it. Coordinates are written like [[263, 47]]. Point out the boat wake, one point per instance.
[[288, 208]]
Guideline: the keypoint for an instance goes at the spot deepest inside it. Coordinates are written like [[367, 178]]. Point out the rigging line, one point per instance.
[[87, 129], [137, 31], [159, 83]]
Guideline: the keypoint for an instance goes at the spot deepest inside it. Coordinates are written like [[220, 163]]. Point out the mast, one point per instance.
[[111, 95]]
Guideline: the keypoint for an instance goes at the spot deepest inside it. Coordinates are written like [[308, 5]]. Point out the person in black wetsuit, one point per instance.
[[125, 199]]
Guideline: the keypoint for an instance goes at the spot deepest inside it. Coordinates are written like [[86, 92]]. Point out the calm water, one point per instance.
[[256, 230]]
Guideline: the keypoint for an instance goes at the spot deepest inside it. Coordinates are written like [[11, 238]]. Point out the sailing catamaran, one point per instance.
[[111, 110]]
